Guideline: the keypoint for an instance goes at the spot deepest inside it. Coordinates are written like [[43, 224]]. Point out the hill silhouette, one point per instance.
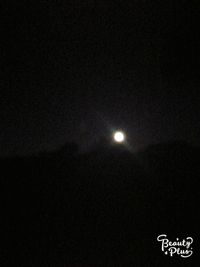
[[103, 208]]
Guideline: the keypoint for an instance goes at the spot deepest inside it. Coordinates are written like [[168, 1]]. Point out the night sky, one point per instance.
[[75, 70]]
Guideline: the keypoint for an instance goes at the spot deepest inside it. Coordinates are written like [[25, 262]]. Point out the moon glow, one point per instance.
[[119, 137]]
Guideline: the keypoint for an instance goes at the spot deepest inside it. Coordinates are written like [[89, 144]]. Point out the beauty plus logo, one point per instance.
[[177, 247]]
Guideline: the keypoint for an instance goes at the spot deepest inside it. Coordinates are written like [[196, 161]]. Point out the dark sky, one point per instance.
[[75, 70]]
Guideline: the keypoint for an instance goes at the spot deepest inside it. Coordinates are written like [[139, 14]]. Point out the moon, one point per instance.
[[119, 137]]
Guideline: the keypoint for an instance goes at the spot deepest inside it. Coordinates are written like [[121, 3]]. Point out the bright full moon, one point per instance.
[[119, 137]]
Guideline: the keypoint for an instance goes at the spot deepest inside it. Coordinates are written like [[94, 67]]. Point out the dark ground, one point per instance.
[[105, 208]]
